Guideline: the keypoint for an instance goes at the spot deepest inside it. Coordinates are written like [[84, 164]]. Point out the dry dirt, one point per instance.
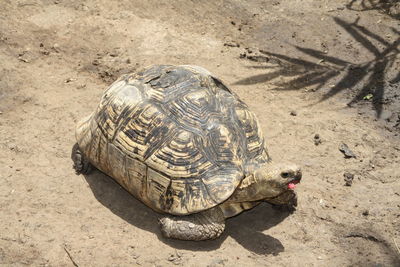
[[306, 68]]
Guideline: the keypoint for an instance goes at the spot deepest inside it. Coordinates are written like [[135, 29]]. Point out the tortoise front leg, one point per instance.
[[204, 225], [81, 163], [286, 201]]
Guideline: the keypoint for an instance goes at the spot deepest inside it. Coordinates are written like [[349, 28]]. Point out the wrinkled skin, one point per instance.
[[285, 202]]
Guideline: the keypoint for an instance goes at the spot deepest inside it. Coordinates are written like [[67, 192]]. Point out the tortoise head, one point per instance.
[[273, 179]]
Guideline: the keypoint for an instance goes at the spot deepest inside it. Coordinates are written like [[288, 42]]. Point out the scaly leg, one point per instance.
[[81, 163], [286, 201], [204, 225]]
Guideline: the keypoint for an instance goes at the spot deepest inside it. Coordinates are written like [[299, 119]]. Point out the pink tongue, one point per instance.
[[291, 186]]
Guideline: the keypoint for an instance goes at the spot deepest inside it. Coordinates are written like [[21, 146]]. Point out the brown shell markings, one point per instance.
[[173, 136]]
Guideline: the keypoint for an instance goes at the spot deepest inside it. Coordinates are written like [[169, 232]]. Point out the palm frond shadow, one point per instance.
[[389, 7], [367, 79]]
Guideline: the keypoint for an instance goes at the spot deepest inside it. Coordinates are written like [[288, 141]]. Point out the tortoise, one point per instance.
[[178, 139]]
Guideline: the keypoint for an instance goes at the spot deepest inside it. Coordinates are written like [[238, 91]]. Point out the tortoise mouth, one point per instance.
[[295, 181], [292, 183]]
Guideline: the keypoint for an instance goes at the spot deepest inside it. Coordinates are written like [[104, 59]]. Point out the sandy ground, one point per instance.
[[306, 68]]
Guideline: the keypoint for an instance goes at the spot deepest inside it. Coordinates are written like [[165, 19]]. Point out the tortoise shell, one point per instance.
[[173, 136]]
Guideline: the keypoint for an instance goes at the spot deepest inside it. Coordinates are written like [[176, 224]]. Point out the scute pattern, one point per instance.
[[180, 157], [256, 152], [184, 196], [193, 109], [146, 126], [119, 101], [173, 136], [225, 146]]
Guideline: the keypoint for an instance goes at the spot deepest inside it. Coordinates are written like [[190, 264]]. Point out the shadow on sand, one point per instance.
[[246, 228], [389, 7], [367, 79]]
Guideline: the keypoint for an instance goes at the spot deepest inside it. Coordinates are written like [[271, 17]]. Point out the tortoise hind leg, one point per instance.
[[205, 225], [81, 163]]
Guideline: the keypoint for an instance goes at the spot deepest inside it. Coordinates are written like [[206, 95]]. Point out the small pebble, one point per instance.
[[317, 139], [68, 80], [249, 50], [231, 44], [348, 178], [23, 59], [346, 151], [56, 48], [293, 113]]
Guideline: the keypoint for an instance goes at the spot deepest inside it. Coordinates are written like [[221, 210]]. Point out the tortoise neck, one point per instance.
[[257, 185], [248, 190]]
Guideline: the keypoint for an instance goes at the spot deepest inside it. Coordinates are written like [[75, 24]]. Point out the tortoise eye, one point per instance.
[[285, 174]]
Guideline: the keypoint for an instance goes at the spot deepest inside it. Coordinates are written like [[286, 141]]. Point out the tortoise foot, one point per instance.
[[205, 225], [81, 164]]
